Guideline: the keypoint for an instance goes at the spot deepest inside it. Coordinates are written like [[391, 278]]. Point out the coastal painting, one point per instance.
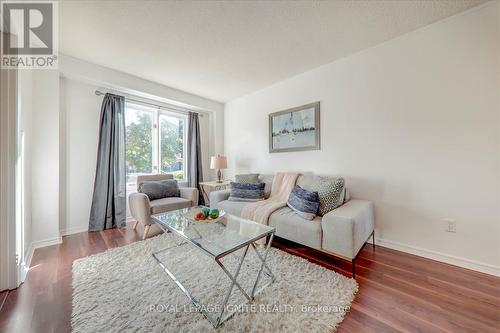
[[295, 129]]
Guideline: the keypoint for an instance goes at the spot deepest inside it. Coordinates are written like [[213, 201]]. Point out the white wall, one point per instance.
[[80, 112], [62, 120], [45, 157], [413, 124], [26, 126], [80, 109], [108, 78]]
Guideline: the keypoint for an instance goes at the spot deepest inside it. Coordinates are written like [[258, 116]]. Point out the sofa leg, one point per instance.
[[135, 224], [146, 230], [373, 240], [353, 263]]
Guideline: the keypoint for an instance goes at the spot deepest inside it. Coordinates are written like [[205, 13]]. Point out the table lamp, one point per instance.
[[218, 162]]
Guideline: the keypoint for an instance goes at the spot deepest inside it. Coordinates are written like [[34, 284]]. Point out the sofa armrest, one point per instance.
[[347, 228], [190, 193], [218, 196], [140, 208]]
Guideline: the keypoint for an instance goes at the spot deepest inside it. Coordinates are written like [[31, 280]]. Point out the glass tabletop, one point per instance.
[[214, 238]]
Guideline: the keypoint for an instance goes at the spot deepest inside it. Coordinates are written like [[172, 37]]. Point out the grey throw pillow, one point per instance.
[[246, 192], [159, 189], [248, 178], [304, 203]]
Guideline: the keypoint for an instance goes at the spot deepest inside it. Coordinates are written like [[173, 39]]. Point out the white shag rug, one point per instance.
[[125, 290]]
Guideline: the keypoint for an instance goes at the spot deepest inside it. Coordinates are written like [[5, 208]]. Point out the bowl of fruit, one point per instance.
[[205, 214]]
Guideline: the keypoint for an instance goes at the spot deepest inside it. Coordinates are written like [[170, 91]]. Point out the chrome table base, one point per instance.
[[216, 321]]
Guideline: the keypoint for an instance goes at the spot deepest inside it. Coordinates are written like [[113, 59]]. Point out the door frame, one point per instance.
[[8, 147]]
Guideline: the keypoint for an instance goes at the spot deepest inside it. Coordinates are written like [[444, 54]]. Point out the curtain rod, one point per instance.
[[169, 108]]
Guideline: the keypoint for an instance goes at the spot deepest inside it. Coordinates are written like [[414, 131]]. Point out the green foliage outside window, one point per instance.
[[139, 148], [172, 146]]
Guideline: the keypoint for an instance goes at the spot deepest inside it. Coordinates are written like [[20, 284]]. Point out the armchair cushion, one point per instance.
[[168, 204], [159, 189]]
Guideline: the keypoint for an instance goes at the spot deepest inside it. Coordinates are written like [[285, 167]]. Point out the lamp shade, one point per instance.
[[218, 162]]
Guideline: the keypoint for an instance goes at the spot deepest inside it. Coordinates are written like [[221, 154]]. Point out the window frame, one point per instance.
[[155, 135], [184, 118]]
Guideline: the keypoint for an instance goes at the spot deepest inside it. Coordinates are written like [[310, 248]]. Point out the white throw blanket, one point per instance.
[[259, 211]]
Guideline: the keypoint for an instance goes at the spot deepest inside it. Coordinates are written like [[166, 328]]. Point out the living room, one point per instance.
[[323, 166]]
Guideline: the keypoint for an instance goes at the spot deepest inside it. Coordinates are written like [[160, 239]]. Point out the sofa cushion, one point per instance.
[[168, 204], [268, 181], [159, 189], [231, 207], [347, 195], [330, 190], [291, 226], [246, 192], [248, 178], [305, 203]]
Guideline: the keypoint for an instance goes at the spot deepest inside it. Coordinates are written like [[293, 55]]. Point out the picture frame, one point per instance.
[[295, 129]]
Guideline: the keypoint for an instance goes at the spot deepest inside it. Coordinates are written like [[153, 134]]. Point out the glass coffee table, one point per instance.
[[218, 240]]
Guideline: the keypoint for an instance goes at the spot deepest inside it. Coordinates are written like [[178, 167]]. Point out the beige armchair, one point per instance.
[[141, 207]]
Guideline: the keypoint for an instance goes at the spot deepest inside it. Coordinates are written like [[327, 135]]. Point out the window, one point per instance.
[[172, 145], [155, 143], [138, 142]]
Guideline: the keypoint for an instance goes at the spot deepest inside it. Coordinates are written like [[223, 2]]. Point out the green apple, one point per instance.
[[205, 211], [214, 213]]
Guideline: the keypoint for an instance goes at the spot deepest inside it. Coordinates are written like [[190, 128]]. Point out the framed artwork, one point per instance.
[[295, 129]]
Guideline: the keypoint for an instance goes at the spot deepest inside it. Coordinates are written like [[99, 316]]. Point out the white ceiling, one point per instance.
[[225, 49]]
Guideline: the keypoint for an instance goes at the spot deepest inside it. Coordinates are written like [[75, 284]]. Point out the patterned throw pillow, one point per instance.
[[304, 202], [330, 194], [330, 190], [248, 178], [159, 189], [246, 192]]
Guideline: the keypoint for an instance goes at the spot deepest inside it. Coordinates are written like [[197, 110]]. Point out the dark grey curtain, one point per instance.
[[195, 171], [109, 200]]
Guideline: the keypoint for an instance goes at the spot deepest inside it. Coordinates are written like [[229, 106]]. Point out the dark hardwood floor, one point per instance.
[[398, 292]]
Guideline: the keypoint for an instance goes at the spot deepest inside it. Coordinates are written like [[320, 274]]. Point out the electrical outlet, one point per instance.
[[450, 225]]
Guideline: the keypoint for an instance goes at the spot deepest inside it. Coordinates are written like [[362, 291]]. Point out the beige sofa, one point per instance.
[[341, 232], [141, 207]]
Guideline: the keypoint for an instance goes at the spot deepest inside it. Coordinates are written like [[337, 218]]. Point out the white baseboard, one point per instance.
[[25, 265], [442, 257], [74, 230], [430, 254], [29, 256], [47, 242]]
